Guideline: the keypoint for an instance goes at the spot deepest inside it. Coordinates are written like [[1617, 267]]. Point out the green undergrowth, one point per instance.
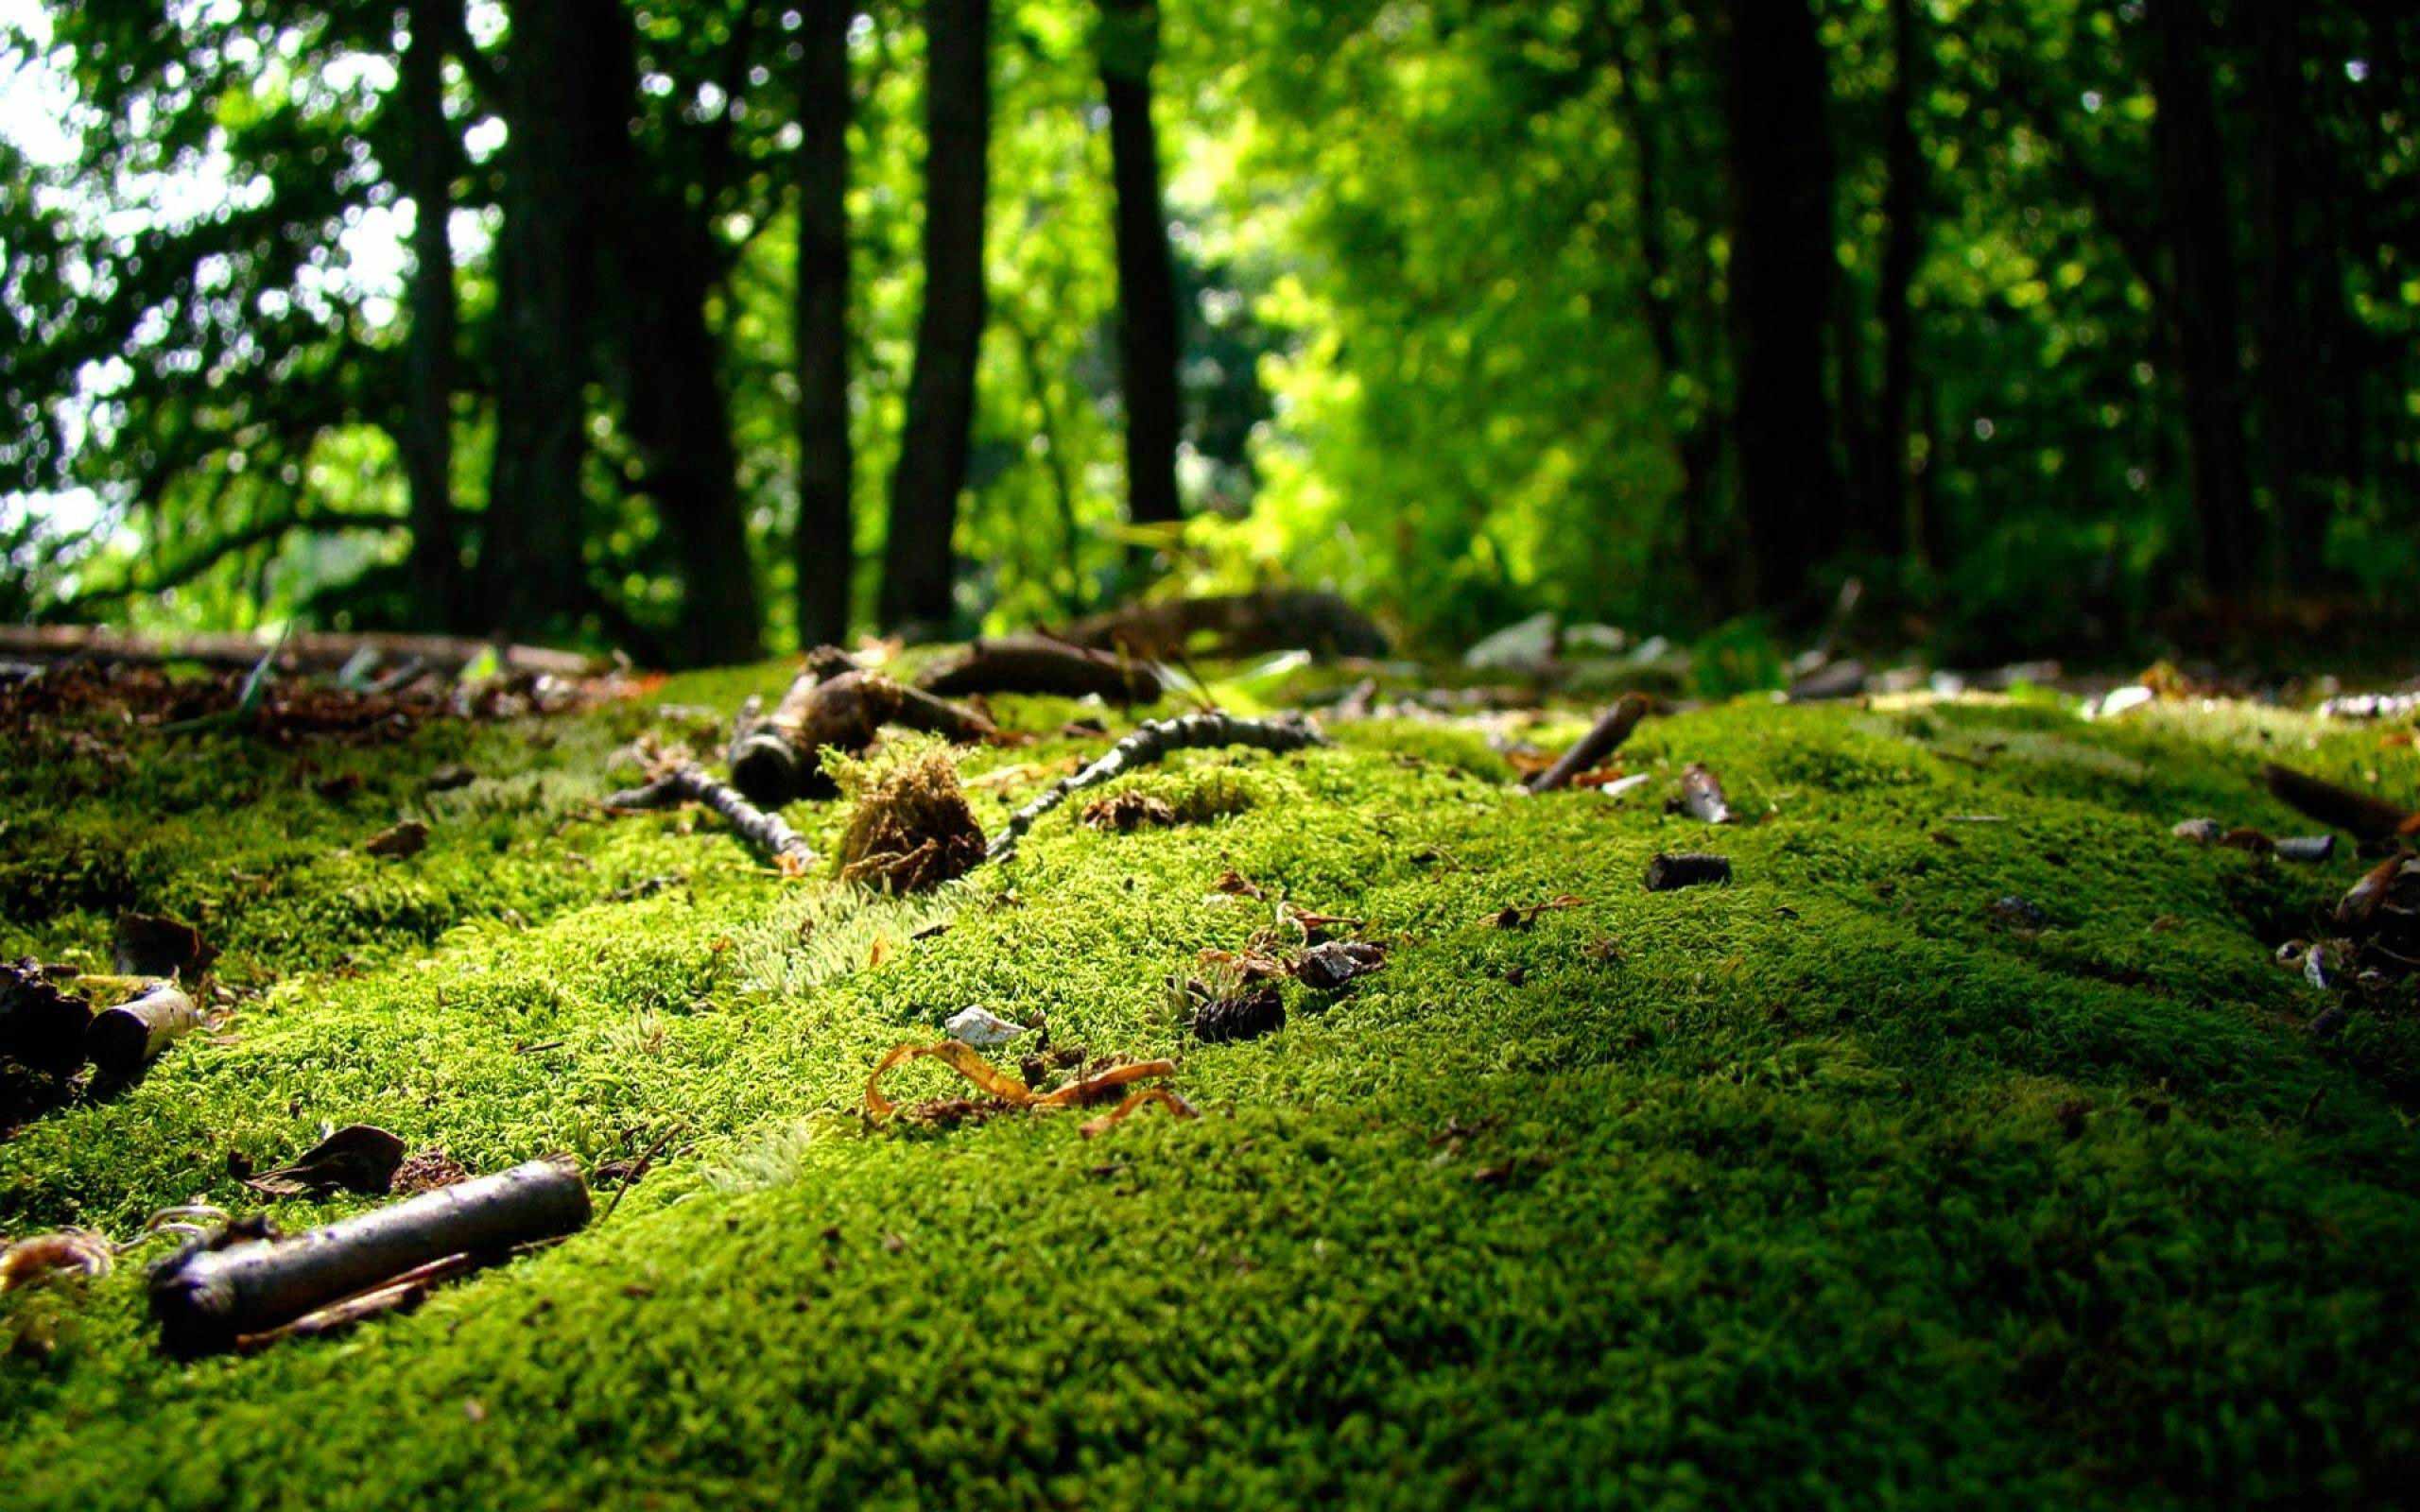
[[1838, 1184]]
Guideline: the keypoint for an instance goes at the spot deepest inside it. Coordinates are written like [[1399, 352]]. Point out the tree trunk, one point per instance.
[[1896, 502], [2287, 155], [428, 427], [1781, 294], [949, 332], [824, 547], [2194, 209], [1146, 280], [531, 563]]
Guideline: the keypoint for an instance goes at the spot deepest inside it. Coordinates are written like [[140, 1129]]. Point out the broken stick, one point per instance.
[[775, 759], [209, 1299], [1610, 730], [1667, 870], [2358, 814], [1150, 743], [1030, 663], [688, 782], [125, 1038]]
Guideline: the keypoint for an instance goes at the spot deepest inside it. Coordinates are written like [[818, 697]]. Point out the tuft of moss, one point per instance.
[[910, 827]]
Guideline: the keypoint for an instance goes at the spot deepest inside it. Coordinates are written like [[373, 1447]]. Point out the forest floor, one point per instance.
[[1850, 1182]]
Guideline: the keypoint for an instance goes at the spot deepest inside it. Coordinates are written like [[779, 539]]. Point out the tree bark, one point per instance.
[[531, 563], [823, 546], [1781, 294], [2287, 154], [949, 332], [1896, 502], [1147, 325], [2193, 205], [429, 428]]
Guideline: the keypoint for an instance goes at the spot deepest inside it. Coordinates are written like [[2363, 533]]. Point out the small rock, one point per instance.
[[407, 838], [2012, 912], [2200, 832], [979, 1027]]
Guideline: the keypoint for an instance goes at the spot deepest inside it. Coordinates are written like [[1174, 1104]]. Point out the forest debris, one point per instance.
[[978, 1025], [679, 780], [1331, 967], [404, 838], [447, 778], [155, 945], [991, 1080], [1235, 884], [911, 828], [302, 650], [2304, 847], [1257, 1009], [1701, 796], [211, 1298], [1667, 870], [41, 1025], [39, 1258], [2363, 816], [1153, 741], [2361, 904], [1521, 915], [360, 1158], [1832, 679], [1274, 618], [1032, 664], [426, 1171], [1134, 1103], [2012, 912], [123, 1038], [1612, 727], [2200, 832], [1126, 811], [777, 758], [1609, 782]]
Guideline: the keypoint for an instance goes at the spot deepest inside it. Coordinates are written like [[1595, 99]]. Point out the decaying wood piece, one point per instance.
[[1276, 619], [2306, 848], [1702, 794], [123, 1038], [775, 759], [1029, 663], [2358, 814], [1612, 727], [1667, 870], [207, 1299], [302, 650], [41, 1024], [1150, 743], [685, 782]]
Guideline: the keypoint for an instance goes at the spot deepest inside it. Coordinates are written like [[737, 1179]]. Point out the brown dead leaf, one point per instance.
[[405, 837], [1134, 1103], [360, 1158]]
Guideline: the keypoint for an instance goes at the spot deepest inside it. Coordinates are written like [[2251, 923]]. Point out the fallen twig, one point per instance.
[[962, 1058], [1610, 730], [1667, 870], [775, 759], [1150, 743], [687, 782], [1030, 663], [207, 1299], [2358, 814]]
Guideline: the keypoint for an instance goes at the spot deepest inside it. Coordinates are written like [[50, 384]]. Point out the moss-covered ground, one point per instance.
[[1831, 1186]]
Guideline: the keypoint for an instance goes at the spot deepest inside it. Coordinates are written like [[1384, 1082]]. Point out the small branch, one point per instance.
[[207, 1299], [1028, 663], [2360, 815], [1153, 743], [688, 782], [776, 759], [1610, 730]]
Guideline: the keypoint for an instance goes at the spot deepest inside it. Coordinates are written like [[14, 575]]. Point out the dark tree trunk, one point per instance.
[[662, 258], [2193, 189], [531, 563], [1781, 295], [429, 428], [1146, 280], [1897, 502], [2287, 154], [823, 548], [949, 332]]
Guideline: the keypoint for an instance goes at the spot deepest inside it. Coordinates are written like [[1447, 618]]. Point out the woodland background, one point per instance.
[[710, 329]]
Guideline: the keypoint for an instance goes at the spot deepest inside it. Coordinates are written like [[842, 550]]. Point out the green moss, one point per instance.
[[1827, 1186]]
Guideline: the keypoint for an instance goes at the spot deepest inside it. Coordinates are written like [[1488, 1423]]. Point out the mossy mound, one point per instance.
[[1826, 1187]]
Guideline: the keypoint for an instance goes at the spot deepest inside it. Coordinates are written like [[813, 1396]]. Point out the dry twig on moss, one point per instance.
[[776, 758], [1031, 663], [685, 782], [1151, 743], [1610, 730]]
